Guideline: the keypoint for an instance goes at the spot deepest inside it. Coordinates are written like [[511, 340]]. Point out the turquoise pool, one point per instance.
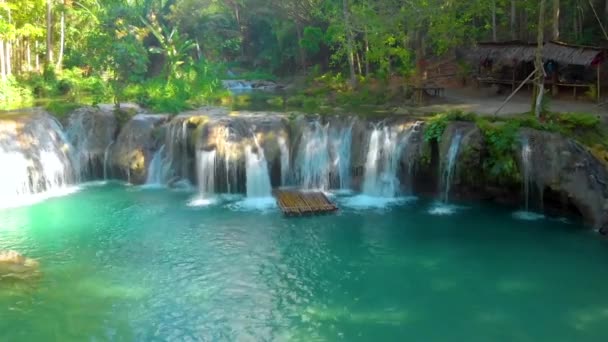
[[132, 264]]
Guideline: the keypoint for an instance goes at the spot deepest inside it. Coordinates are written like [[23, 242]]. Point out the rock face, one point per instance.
[[564, 168], [230, 135], [318, 151], [467, 171], [91, 131], [134, 147], [15, 266]]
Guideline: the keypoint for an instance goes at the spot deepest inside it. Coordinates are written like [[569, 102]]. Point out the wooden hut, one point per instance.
[[574, 66], [503, 63], [566, 65]]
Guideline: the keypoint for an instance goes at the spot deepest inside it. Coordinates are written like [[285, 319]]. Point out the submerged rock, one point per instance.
[[16, 266]]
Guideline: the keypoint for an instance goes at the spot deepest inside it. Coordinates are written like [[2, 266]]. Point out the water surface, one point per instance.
[[131, 264]]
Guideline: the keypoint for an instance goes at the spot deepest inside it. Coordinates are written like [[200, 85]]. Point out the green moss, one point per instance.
[[500, 165], [436, 124]]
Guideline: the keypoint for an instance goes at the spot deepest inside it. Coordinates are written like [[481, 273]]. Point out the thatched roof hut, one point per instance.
[[513, 52], [573, 54]]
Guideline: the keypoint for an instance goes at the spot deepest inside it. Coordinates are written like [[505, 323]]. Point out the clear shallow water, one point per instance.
[[131, 264]]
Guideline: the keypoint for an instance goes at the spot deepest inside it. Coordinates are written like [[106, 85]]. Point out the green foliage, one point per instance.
[[60, 108], [437, 124], [501, 142], [13, 94], [312, 39]]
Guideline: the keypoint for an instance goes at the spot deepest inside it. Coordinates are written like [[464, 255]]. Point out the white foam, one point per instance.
[[443, 209], [25, 200], [373, 202], [200, 201], [527, 215], [254, 204]]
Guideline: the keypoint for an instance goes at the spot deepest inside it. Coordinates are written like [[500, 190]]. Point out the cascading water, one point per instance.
[[176, 152], [382, 162], [206, 172], [35, 158], [89, 132], [285, 164], [450, 164], [312, 165], [341, 143], [526, 158], [258, 179], [106, 158], [155, 169]]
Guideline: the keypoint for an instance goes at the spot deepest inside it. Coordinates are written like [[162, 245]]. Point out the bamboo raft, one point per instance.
[[298, 203]]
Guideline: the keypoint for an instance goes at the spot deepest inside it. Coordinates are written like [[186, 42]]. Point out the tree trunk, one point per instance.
[[37, 56], [301, 51], [8, 50], [513, 20], [28, 54], [359, 63], [555, 22], [367, 53], [606, 14], [494, 35], [540, 72], [62, 38], [349, 43], [49, 32], [2, 61]]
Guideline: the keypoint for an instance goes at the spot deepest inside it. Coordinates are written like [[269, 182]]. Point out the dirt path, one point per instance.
[[486, 102]]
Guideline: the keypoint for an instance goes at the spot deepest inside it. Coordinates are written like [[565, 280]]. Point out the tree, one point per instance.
[[555, 22], [49, 32], [349, 43], [538, 63]]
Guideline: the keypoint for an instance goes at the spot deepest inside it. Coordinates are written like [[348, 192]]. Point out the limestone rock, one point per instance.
[[15, 266], [567, 168], [91, 131], [134, 147]]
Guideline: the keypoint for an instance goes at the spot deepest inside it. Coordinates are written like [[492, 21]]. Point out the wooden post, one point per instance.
[[599, 84], [515, 92]]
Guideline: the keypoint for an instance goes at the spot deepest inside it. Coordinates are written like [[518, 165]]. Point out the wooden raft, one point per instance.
[[297, 203]]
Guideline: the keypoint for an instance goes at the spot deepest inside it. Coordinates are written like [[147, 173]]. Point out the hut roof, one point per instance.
[[503, 52], [573, 54], [517, 51]]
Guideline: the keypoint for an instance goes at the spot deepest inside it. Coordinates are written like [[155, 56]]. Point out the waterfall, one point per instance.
[[258, 179], [106, 158], [176, 151], [206, 172], [312, 162], [341, 143], [450, 164], [284, 149], [155, 169], [35, 158], [89, 133], [382, 162], [526, 158]]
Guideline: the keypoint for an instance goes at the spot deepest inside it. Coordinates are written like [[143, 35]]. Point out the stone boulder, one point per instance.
[[135, 146], [560, 166], [91, 131], [16, 266]]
